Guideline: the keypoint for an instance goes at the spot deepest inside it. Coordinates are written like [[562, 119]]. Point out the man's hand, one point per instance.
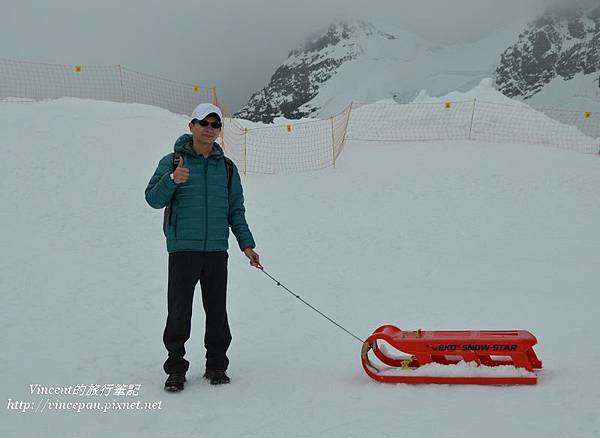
[[253, 256], [181, 174]]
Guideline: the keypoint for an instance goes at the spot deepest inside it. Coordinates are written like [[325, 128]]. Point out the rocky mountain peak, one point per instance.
[[562, 42], [336, 33], [298, 80]]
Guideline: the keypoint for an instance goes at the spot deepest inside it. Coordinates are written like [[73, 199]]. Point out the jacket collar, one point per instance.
[[184, 145]]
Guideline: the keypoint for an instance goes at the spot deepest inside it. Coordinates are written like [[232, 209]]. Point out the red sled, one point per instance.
[[479, 357]]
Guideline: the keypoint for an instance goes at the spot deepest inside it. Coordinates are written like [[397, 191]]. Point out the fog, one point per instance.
[[233, 45]]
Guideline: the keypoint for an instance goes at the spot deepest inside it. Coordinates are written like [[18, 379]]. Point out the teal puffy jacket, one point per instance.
[[202, 209]]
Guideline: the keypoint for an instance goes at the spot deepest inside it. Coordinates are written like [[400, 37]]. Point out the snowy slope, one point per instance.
[[439, 235], [582, 92], [481, 113]]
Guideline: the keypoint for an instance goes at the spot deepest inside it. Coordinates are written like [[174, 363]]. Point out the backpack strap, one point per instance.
[[229, 167], [167, 212]]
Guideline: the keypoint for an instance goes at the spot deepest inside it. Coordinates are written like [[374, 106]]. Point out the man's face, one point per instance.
[[205, 134]]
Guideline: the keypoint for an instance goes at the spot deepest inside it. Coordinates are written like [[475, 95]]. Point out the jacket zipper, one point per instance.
[[205, 201]]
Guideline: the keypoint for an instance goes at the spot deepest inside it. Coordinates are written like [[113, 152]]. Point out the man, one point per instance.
[[205, 196]]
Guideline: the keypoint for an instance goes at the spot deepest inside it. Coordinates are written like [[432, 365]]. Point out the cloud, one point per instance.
[[234, 45]]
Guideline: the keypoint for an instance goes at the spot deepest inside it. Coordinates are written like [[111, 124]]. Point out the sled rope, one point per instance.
[[312, 307]]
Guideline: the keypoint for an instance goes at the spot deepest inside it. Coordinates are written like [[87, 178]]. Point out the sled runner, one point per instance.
[[478, 357]]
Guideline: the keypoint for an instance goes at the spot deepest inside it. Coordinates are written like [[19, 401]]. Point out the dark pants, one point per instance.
[[185, 269]]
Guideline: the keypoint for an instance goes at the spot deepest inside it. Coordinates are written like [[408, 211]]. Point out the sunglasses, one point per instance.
[[205, 123]]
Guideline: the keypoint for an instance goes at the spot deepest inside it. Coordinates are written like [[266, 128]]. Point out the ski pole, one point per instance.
[[259, 266]]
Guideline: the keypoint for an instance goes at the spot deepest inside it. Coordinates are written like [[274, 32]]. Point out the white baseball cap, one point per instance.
[[204, 109]]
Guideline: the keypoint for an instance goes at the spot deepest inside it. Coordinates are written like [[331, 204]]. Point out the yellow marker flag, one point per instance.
[[77, 69], [587, 114], [196, 88], [289, 128], [447, 104]]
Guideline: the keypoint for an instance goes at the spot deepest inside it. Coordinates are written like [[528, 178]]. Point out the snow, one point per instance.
[[580, 93], [400, 67], [407, 64], [17, 99], [483, 91], [495, 118], [460, 369], [433, 235]]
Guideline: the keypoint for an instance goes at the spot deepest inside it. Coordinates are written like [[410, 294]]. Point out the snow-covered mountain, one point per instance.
[[360, 61], [562, 45], [552, 60]]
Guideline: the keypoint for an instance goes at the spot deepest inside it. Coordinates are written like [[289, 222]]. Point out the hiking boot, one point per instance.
[[175, 382], [216, 377]]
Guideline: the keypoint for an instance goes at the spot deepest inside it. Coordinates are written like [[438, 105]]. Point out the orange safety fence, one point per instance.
[[37, 81], [390, 121], [286, 148], [475, 120], [308, 144]]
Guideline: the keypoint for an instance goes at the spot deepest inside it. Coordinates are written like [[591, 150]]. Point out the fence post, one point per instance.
[[472, 119], [213, 91], [332, 143], [347, 123], [245, 151], [121, 83]]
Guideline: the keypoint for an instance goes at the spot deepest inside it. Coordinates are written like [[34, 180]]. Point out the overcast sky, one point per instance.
[[233, 45]]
